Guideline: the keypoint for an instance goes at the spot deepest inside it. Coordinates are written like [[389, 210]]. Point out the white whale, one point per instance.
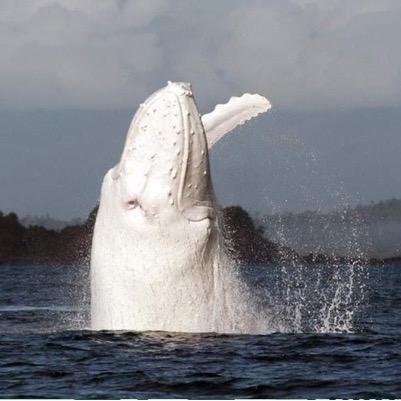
[[157, 259]]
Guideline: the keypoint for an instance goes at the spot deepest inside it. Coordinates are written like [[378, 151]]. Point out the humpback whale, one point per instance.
[[157, 259]]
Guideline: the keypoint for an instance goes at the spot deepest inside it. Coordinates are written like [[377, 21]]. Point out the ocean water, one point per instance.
[[335, 332]]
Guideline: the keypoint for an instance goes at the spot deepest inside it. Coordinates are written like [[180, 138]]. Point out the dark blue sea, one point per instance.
[[340, 337]]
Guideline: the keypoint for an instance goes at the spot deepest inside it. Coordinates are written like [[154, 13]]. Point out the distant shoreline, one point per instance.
[[246, 241], [55, 263], [308, 260]]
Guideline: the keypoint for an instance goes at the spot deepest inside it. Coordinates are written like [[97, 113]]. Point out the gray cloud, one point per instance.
[[317, 54], [70, 54], [330, 68], [111, 54]]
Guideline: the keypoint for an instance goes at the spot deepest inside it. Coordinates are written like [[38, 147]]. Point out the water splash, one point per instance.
[[270, 298], [307, 299]]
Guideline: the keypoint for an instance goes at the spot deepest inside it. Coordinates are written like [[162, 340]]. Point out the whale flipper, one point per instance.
[[225, 117]]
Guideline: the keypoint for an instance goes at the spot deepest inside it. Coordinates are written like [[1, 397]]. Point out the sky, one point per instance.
[[73, 72]]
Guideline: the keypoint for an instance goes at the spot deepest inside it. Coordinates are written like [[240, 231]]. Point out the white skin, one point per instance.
[[156, 246]]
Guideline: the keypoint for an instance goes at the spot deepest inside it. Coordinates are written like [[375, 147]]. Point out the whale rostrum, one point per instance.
[[157, 249]]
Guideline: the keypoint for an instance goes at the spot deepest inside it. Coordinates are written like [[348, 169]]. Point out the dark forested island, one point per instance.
[[246, 240], [373, 230], [35, 244]]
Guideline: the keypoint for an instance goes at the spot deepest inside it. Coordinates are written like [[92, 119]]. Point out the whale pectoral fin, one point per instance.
[[199, 213], [225, 117]]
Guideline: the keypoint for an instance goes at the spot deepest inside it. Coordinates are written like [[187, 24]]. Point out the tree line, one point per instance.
[[245, 240], [36, 244]]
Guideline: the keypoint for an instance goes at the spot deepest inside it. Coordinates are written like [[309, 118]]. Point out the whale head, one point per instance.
[[164, 167]]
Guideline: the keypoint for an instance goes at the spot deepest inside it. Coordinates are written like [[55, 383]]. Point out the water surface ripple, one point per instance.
[[46, 351]]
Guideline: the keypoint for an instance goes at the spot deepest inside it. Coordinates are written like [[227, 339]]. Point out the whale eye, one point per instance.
[[132, 204]]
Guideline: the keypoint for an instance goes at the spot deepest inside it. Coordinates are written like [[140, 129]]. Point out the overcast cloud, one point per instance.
[[73, 72], [111, 54]]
